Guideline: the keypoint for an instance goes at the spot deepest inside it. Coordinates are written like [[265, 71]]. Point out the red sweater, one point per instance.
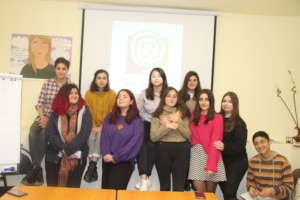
[[206, 135]]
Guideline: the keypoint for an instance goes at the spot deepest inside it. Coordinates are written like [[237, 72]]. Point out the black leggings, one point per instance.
[[172, 158], [37, 143], [116, 176], [74, 178], [235, 171], [146, 157]]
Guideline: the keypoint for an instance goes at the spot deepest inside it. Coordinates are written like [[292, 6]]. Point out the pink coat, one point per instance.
[[206, 135]]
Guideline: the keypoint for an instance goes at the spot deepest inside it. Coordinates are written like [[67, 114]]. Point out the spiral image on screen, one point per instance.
[[137, 47], [146, 48]]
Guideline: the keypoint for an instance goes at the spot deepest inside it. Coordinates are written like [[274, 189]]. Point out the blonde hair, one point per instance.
[[47, 39]]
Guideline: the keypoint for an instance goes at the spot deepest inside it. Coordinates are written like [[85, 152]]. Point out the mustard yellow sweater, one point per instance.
[[100, 104]]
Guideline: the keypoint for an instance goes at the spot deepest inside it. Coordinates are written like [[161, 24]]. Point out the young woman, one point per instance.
[[37, 139], [269, 173], [100, 99], [147, 103], [188, 94], [233, 146], [190, 90], [68, 130], [121, 140], [169, 128], [206, 164]]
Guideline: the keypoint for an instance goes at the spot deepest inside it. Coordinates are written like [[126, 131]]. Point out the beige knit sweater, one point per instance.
[[160, 132]]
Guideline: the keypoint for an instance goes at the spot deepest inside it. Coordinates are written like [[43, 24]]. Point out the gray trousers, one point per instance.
[[37, 143], [94, 145]]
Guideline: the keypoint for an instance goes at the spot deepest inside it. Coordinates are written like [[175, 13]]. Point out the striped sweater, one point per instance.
[[275, 172]]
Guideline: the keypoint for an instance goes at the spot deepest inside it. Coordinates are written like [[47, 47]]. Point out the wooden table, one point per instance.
[[154, 195], [58, 193]]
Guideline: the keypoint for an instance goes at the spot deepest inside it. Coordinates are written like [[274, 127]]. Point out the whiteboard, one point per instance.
[[10, 121]]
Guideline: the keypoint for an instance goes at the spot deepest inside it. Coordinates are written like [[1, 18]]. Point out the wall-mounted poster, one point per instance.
[[33, 56]]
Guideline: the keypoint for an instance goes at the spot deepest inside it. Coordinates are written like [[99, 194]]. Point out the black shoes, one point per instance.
[[34, 177], [39, 180], [91, 173]]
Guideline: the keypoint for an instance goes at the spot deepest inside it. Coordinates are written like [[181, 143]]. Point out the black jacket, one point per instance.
[[54, 142]]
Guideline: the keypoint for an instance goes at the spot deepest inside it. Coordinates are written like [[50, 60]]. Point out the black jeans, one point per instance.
[[74, 178], [172, 158], [37, 143], [235, 171], [146, 156], [116, 176]]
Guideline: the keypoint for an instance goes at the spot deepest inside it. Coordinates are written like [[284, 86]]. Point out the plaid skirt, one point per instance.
[[198, 163]]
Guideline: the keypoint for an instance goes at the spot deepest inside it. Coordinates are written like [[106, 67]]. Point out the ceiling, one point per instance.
[[250, 7]]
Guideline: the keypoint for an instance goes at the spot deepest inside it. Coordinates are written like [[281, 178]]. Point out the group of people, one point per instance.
[[179, 132]]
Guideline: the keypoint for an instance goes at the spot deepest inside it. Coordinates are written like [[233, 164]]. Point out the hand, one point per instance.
[[43, 121], [97, 130], [100, 129], [173, 125], [219, 145], [164, 120], [175, 116], [94, 130], [253, 192], [210, 173], [267, 192], [108, 158]]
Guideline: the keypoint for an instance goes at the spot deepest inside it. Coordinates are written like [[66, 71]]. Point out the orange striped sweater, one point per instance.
[[276, 173]]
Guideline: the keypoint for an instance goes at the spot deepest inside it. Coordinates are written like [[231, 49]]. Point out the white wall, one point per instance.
[[253, 54]]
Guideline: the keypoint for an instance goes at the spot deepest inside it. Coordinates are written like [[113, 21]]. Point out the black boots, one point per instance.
[[91, 173], [34, 177]]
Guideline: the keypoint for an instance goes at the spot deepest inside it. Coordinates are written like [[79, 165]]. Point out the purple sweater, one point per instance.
[[122, 140]]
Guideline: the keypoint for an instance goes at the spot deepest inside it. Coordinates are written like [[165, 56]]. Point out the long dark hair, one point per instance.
[[150, 89], [132, 112], [235, 115], [180, 105], [211, 111], [94, 87], [61, 102], [183, 92]]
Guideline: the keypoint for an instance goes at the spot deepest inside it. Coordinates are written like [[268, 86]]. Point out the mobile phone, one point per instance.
[[17, 193], [199, 195]]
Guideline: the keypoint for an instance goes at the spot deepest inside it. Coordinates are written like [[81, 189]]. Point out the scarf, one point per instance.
[[68, 129]]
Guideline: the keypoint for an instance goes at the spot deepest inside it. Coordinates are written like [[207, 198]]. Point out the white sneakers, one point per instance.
[[143, 185], [138, 185]]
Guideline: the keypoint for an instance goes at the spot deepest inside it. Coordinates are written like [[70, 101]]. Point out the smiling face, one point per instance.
[[171, 98], [101, 80], [227, 105], [156, 79], [73, 96], [192, 83], [262, 145], [204, 103], [124, 100]]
